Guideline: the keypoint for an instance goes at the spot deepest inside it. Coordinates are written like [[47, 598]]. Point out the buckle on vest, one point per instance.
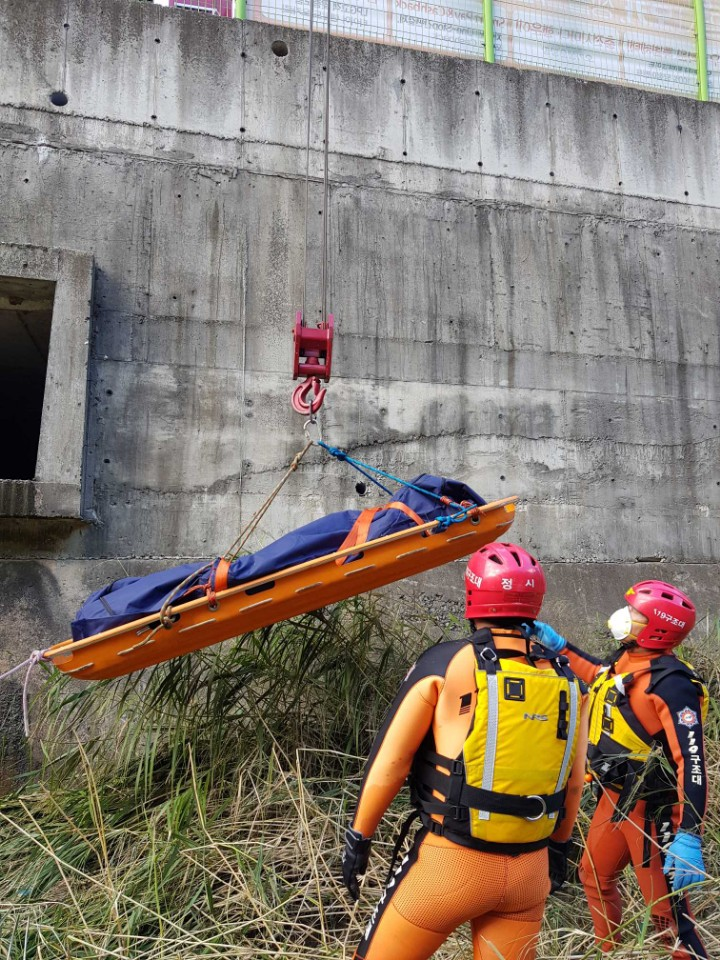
[[543, 807], [457, 768], [460, 813]]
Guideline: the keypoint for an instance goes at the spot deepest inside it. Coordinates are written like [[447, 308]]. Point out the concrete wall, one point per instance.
[[523, 267]]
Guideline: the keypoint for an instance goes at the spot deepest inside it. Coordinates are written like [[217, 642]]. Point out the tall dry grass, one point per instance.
[[196, 810]]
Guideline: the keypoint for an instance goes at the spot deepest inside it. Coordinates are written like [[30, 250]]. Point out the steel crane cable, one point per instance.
[[307, 155], [326, 177], [326, 151]]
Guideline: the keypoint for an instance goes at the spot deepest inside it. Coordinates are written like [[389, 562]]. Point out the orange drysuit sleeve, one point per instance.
[[395, 747], [678, 708], [582, 664], [406, 725]]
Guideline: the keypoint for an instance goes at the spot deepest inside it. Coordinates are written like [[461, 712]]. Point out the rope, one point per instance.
[[361, 467], [372, 479], [232, 553], [237, 546], [164, 615], [255, 520], [444, 522], [35, 657]]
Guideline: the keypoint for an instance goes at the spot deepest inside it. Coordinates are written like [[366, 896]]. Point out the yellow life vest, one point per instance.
[[619, 747], [507, 790]]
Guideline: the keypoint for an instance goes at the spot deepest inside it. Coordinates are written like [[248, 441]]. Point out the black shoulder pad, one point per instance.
[[666, 666]]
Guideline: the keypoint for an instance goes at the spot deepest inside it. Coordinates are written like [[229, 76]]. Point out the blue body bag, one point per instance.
[[132, 598]]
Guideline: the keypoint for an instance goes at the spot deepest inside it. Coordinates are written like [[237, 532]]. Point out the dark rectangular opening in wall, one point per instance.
[[26, 307]]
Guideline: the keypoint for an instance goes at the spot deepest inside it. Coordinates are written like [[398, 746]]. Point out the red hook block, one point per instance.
[[313, 348]]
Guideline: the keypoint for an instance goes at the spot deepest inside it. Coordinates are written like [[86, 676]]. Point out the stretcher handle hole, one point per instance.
[[260, 588], [354, 558]]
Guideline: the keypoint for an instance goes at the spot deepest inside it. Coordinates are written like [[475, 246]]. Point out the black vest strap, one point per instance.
[[615, 657], [459, 794], [402, 834], [466, 840], [628, 794], [486, 654], [665, 666]]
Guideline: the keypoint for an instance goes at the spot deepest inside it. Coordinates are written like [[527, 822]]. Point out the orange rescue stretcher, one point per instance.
[[278, 596]]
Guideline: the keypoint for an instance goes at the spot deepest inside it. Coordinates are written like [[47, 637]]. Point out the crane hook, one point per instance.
[[300, 401]]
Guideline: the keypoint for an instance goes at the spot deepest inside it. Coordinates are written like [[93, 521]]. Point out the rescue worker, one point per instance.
[[646, 758], [491, 731]]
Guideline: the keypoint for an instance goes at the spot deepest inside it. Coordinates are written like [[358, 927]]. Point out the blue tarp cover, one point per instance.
[[135, 597]]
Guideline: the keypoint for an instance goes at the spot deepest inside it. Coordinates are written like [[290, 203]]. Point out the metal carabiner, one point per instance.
[[300, 402], [312, 422]]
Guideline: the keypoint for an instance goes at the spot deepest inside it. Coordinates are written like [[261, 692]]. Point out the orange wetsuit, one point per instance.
[[441, 884], [671, 714]]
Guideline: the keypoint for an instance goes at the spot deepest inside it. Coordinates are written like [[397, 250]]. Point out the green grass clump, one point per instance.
[[197, 809]]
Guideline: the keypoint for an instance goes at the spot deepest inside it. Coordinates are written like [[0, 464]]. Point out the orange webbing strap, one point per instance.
[[218, 581], [361, 528], [221, 575]]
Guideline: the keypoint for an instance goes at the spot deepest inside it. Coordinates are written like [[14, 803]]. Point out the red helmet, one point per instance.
[[671, 615], [501, 581]]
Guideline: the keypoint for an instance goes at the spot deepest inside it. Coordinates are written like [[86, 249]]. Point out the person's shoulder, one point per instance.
[[435, 660], [669, 673]]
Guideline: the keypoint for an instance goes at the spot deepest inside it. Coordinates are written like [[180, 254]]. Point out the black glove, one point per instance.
[[354, 860], [558, 857]]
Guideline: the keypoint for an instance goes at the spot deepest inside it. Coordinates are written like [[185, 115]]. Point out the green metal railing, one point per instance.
[[489, 31], [701, 50]]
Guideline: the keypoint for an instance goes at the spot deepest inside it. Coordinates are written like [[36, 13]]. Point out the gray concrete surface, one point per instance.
[[523, 267]]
